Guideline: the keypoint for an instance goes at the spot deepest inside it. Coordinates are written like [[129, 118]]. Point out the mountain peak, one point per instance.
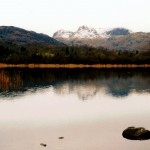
[[83, 27], [86, 28], [63, 34], [85, 32]]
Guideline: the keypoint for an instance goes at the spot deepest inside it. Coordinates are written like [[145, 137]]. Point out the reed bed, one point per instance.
[[74, 66]]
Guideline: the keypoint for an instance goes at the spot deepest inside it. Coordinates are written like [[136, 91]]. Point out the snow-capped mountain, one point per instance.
[[82, 32], [63, 34], [85, 32], [112, 38]]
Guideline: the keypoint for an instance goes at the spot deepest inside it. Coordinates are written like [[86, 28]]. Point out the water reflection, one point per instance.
[[86, 83]]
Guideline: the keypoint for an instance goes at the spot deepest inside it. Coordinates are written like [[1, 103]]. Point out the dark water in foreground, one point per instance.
[[88, 107]]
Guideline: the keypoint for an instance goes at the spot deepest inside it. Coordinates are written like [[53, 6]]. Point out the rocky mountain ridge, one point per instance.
[[85, 32]]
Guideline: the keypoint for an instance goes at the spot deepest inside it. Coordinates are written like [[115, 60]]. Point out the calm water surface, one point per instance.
[[88, 107]]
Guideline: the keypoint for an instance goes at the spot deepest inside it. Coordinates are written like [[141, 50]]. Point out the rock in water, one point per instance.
[[42, 144], [61, 137], [133, 133]]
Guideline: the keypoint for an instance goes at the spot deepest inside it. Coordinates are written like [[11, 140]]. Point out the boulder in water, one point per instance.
[[139, 133]]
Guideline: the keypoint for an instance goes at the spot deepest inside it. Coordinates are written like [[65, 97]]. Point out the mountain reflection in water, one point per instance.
[[86, 83]]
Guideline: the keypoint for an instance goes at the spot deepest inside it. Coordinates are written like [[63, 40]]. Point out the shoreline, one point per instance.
[[74, 66]]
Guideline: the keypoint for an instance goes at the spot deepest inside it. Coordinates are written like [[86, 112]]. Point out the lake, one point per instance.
[[90, 108]]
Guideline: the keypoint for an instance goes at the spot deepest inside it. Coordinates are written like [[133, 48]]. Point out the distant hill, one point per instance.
[[133, 41], [115, 38], [21, 36]]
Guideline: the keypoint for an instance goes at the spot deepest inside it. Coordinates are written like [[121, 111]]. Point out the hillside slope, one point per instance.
[[20, 36]]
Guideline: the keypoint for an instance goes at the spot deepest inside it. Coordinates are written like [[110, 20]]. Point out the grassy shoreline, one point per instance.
[[74, 66]]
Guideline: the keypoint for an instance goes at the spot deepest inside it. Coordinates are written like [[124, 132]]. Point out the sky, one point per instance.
[[48, 16]]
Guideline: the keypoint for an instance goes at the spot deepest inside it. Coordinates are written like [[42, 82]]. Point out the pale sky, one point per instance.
[[48, 16]]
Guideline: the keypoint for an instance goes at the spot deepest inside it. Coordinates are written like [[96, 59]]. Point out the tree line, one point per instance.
[[43, 53]]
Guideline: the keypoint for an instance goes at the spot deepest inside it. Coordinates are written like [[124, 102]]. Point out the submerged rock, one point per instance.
[[133, 133]]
